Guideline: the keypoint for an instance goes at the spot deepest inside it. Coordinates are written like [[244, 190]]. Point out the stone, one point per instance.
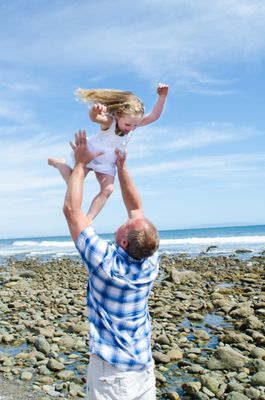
[[161, 357], [42, 344], [258, 379], [227, 358], [55, 365]]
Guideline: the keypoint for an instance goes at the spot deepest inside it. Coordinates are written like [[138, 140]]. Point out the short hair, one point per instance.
[[143, 243]]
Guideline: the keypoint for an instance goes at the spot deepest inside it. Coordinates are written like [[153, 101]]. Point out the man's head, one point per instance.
[[138, 237]]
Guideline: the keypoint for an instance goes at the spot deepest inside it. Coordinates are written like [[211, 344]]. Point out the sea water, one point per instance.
[[192, 242]]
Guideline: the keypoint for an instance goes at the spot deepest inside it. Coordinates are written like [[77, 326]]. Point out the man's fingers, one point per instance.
[[80, 138], [98, 153], [72, 145]]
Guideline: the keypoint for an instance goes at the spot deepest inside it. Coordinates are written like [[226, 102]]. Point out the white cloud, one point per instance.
[[176, 39]]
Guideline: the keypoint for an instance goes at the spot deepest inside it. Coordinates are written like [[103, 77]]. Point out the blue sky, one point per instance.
[[201, 164]]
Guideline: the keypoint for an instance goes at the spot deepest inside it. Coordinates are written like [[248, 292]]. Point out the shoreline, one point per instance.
[[205, 311]]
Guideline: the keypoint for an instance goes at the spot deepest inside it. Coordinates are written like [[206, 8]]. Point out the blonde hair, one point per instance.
[[118, 102], [143, 243]]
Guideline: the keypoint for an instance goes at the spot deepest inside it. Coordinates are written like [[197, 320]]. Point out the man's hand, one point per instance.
[[81, 151], [162, 89], [121, 158]]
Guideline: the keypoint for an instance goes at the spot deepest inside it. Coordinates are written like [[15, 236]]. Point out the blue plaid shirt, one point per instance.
[[117, 296]]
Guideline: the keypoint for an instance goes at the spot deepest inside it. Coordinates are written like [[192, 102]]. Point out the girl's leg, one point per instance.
[[106, 183], [62, 167]]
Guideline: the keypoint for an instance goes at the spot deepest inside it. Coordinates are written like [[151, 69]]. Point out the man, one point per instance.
[[120, 279]]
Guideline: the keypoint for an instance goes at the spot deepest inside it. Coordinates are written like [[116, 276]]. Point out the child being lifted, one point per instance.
[[119, 113]]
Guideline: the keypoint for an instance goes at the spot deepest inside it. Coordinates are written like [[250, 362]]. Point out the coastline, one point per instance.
[[206, 313]]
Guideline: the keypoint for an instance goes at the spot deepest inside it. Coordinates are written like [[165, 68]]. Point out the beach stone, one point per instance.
[[65, 375], [200, 334], [26, 376], [196, 317], [233, 337], [163, 339], [252, 393], [55, 365], [42, 344], [160, 377], [184, 276], [66, 341], [259, 364], [175, 354], [172, 396], [226, 358], [8, 338], [161, 357], [51, 391], [258, 379], [46, 332], [235, 387], [253, 322], [236, 396], [242, 312], [210, 383], [191, 387]]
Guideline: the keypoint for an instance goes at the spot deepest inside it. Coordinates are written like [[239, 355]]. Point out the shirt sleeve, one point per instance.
[[91, 248]]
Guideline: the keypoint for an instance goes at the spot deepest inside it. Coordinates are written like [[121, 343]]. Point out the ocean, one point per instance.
[[192, 242]]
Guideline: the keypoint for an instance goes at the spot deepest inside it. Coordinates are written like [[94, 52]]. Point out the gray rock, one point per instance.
[[42, 344], [236, 396], [258, 379], [227, 358]]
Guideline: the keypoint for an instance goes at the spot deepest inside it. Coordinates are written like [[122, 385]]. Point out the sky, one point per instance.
[[201, 164]]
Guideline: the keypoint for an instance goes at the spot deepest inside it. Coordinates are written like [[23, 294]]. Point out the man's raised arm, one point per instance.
[[76, 219], [130, 194]]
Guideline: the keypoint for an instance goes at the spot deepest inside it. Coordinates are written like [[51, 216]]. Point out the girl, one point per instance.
[[118, 113]]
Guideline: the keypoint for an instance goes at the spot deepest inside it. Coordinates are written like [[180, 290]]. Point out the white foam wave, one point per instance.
[[44, 243], [215, 240]]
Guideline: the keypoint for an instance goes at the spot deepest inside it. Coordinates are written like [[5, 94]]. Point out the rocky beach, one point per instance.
[[208, 335]]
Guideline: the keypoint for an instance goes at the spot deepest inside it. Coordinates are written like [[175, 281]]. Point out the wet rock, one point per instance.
[[227, 358], [258, 379]]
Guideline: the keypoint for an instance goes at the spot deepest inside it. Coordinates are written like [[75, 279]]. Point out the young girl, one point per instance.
[[118, 113]]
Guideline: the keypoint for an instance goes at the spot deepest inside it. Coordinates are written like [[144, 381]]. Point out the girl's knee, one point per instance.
[[107, 190]]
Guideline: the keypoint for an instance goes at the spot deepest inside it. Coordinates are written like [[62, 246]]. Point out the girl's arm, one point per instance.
[[162, 91], [98, 114]]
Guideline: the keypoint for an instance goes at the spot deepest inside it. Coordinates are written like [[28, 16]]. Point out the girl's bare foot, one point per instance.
[[54, 162]]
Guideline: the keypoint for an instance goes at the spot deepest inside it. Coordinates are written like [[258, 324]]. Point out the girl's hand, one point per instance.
[[162, 89], [99, 109]]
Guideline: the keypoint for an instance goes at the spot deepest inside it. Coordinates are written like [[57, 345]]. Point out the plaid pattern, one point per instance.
[[117, 296]]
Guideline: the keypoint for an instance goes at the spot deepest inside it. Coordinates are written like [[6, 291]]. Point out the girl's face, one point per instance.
[[128, 123]]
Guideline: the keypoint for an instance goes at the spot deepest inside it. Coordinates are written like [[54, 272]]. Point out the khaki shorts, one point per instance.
[[106, 382]]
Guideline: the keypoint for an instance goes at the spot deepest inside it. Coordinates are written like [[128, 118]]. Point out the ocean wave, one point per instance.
[[44, 243], [242, 240]]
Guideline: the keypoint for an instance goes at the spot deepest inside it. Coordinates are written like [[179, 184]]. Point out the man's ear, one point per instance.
[[124, 243]]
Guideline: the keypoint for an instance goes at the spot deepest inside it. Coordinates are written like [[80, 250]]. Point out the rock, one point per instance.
[[184, 276], [26, 376], [200, 334], [191, 387], [242, 312], [175, 354], [42, 344], [258, 379], [161, 357], [227, 358], [210, 383], [172, 396], [253, 322], [159, 377], [252, 393], [236, 396], [163, 339], [55, 365]]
